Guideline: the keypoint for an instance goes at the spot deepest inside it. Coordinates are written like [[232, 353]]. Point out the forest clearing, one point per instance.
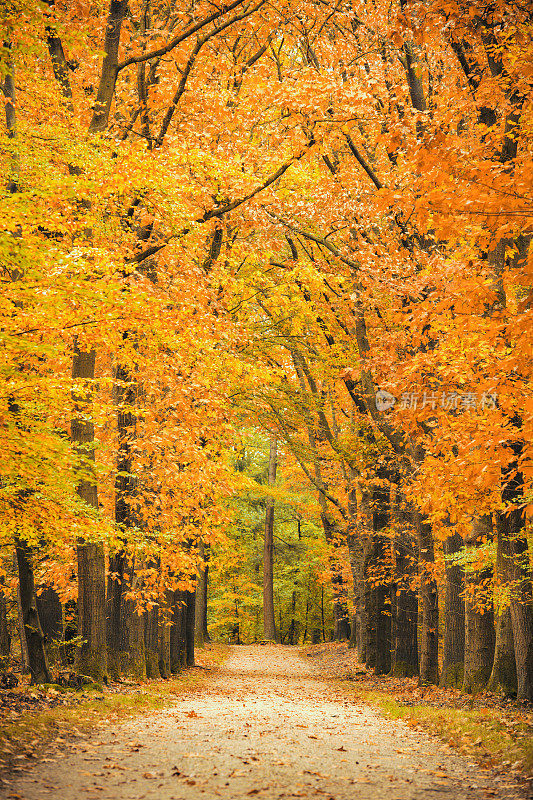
[[266, 357]]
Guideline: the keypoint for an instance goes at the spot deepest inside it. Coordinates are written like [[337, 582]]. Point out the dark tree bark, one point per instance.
[[201, 633], [515, 551], [177, 632], [269, 622], [292, 634], [428, 605], [126, 651], [479, 627], [151, 642], [359, 542], [5, 639], [92, 655], [37, 660], [381, 605], [503, 679], [51, 617], [164, 637], [404, 602], [453, 646], [341, 630], [190, 618]]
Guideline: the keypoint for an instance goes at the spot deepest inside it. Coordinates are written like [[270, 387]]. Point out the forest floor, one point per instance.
[[269, 724]]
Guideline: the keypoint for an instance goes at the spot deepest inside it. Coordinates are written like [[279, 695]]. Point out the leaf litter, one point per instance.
[[268, 724]]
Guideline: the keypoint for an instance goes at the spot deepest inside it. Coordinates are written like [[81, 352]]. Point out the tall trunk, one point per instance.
[[164, 637], [341, 631], [132, 650], [269, 622], [371, 616], [51, 617], [359, 548], [479, 622], [201, 633], [189, 628], [453, 646], [92, 655], [20, 625], [381, 589], [151, 642], [37, 660], [377, 610], [503, 679], [207, 555], [5, 639], [292, 635], [428, 606], [515, 551], [404, 619], [177, 632], [114, 612], [124, 632]]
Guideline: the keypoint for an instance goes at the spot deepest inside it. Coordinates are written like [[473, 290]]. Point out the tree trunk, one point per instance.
[[404, 620], [377, 611], [359, 543], [151, 642], [269, 622], [292, 635], [114, 613], [132, 654], [24, 660], [92, 656], [125, 630], [207, 555], [164, 638], [190, 619], [37, 660], [503, 679], [453, 646], [428, 605], [515, 551], [201, 632], [177, 632], [5, 639], [51, 617], [341, 631], [479, 627]]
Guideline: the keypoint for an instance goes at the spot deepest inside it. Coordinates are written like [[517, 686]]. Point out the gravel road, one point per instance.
[[268, 727]]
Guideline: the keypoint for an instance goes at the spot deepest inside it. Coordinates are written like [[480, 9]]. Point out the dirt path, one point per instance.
[[267, 727]]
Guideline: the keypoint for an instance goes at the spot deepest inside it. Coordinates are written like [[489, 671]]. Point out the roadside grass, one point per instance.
[[481, 732], [30, 733], [495, 732]]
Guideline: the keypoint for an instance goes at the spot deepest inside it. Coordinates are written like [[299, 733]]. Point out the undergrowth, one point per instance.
[[478, 731]]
